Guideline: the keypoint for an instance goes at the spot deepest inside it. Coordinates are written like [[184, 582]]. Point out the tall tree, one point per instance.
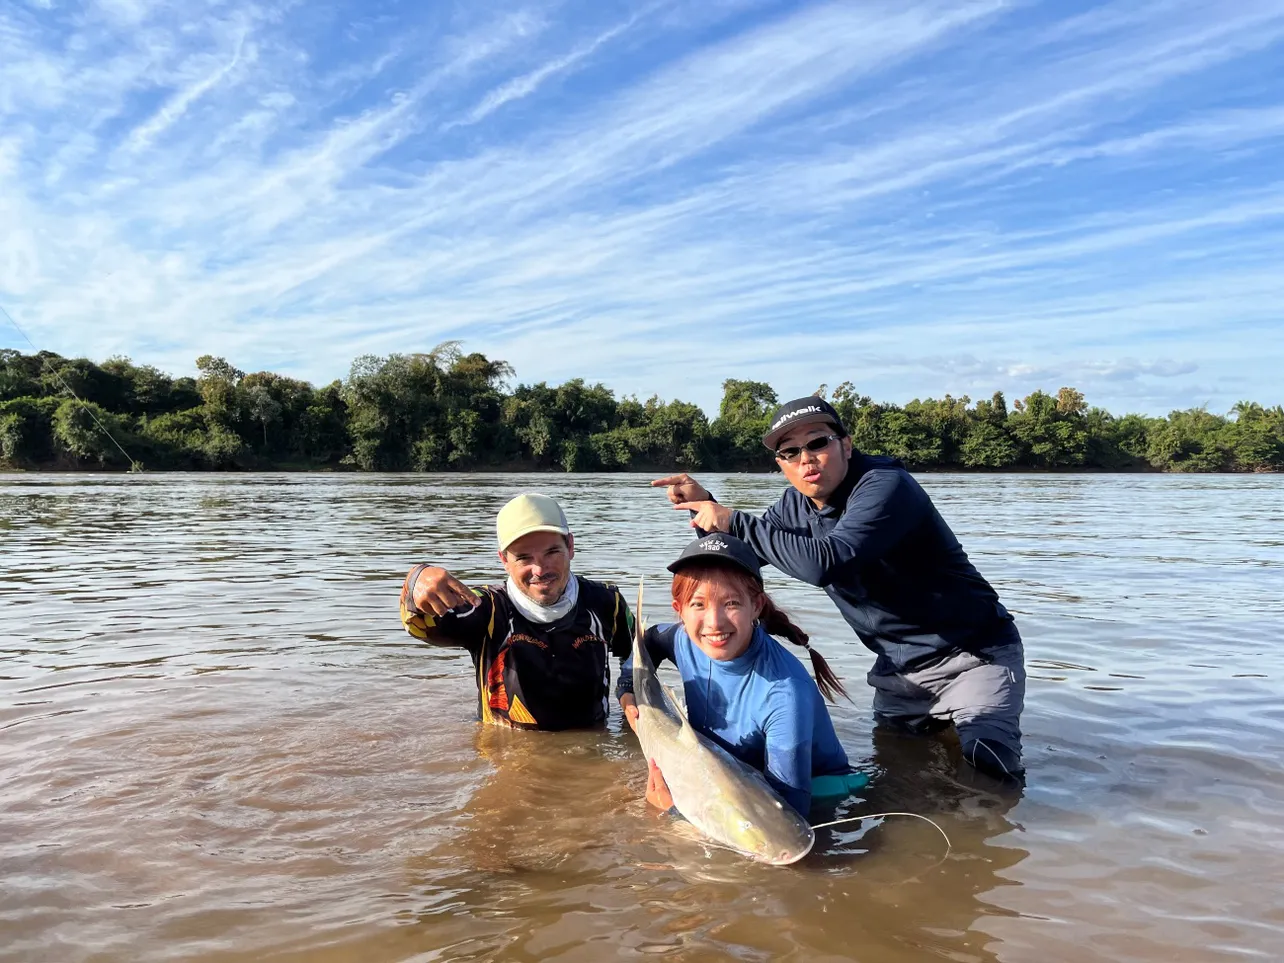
[[743, 418], [1051, 430]]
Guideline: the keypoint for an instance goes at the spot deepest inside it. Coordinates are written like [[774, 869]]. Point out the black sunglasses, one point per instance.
[[793, 452]]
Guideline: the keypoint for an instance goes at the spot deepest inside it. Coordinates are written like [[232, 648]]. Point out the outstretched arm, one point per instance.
[[882, 510], [431, 589], [687, 494], [439, 609], [682, 488]]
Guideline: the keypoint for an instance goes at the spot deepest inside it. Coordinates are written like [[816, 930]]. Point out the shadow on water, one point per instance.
[[555, 856]]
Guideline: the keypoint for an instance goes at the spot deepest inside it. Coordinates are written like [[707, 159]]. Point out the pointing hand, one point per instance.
[[683, 488], [709, 516]]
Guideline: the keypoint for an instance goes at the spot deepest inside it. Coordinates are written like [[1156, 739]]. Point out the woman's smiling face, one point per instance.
[[719, 615]]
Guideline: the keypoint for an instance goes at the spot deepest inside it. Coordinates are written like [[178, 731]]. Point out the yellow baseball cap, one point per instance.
[[529, 513]]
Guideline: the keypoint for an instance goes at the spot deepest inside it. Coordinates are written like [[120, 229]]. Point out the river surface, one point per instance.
[[217, 743]]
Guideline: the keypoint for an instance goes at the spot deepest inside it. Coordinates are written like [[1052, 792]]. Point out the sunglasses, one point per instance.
[[793, 452]]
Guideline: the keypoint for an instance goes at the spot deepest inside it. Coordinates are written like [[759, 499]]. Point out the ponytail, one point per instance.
[[775, 622]]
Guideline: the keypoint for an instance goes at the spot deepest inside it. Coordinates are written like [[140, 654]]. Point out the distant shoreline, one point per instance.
[[647, 472], [446, 411]]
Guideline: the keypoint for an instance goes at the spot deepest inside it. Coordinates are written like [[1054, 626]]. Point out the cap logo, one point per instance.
[[791, 415], [714, 545]]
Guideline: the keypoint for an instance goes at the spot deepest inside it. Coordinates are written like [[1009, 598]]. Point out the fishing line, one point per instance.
[[855, 819], [133, 465]]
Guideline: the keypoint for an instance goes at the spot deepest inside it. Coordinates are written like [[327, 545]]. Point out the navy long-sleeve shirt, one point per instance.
[[762, 707], [884, 554]]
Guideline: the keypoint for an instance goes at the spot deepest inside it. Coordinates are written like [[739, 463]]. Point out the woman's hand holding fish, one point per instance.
[[629, 705], [657, 790]]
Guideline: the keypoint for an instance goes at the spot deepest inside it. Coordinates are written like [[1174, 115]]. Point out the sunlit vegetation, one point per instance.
[[447, 410]]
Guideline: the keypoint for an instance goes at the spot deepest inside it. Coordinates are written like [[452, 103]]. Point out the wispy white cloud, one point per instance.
[[176, 106], [528, 83], [922, 197], [127, 12]]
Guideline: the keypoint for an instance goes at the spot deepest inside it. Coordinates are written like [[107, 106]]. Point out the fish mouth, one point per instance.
[[781, 857], [788, 854], [785, 857]]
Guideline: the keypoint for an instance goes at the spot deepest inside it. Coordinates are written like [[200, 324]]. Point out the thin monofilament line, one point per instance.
[[66, 387], [855, 819]]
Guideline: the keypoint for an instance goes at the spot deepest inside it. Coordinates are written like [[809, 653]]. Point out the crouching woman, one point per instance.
[[742, 688]]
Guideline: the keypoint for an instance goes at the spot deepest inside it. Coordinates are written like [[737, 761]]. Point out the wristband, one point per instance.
[[408, 594]]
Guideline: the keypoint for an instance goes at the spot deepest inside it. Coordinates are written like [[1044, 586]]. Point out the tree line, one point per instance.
[[448, 410]]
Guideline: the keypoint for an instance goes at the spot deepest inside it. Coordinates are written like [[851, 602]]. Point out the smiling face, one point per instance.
[[717, 608], [540, 565], [817, 474]]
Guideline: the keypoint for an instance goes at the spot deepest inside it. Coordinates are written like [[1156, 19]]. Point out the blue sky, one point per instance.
[[920, 197]]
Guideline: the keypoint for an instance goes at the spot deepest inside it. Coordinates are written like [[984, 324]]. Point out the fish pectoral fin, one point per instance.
[[687, 732], [677, 706]]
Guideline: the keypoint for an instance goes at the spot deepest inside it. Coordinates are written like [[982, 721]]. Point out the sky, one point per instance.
[[954, 196]]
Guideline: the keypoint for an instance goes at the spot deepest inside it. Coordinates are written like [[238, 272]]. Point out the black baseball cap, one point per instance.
[[801, 411], [719, 549]]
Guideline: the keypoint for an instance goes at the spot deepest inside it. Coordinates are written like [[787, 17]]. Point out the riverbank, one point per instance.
[[447, 411], [651, 471]]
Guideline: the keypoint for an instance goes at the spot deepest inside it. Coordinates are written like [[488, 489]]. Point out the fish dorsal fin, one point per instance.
[[687, 732], [639, 623]]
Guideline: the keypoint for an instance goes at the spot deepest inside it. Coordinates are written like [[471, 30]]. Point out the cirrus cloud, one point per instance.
[[922, 197]]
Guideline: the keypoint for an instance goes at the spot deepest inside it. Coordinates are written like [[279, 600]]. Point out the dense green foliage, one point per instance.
[[447, 410]]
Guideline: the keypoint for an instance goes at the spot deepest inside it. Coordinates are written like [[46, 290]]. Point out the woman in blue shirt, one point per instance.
[[743, 689]]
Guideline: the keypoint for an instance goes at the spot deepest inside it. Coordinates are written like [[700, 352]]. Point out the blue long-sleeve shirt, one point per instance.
[[762, 707], [884, 554]]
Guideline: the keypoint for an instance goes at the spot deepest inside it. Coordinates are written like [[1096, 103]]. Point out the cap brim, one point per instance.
[[711, 559], [530, 531], [772, 439]]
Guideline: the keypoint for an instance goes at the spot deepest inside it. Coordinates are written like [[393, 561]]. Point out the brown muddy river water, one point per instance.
[[217, 744]]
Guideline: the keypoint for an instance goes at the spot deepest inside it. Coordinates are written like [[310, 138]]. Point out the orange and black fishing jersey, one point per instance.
[[532, 675]]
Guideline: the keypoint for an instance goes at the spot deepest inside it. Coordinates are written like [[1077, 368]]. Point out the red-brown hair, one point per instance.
[[773, 619]]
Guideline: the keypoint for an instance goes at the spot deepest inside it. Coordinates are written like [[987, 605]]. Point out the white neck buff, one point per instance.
[[545, 614]]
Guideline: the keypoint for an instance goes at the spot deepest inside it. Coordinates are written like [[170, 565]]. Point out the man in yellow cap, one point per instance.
[[541, 642]]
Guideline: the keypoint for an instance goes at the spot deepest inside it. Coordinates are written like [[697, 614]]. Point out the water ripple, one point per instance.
[[219, 745]]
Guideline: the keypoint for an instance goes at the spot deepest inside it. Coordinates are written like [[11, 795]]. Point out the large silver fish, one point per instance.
[[729, 802]]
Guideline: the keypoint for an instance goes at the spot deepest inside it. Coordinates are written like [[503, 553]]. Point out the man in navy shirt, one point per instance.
[[861, 528]]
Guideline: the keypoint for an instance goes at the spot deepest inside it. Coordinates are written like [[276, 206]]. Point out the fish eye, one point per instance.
[[745, 825]]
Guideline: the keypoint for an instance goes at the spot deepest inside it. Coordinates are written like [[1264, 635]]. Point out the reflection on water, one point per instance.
[[219, 746]]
